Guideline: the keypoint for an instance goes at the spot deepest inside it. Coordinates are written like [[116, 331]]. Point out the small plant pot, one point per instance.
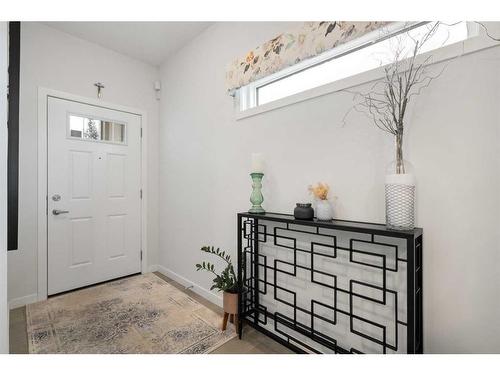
[[230, 302]]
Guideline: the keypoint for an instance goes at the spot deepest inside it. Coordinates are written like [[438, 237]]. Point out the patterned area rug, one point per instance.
[[139, 314]]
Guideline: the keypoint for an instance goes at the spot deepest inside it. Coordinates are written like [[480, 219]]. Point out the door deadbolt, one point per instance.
[[56, 197]]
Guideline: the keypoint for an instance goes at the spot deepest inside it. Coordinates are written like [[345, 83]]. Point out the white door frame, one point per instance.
[[42, 258]]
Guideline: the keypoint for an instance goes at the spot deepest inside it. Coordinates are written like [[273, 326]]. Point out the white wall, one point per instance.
[[452, 142], [4, 311], [55, 60]]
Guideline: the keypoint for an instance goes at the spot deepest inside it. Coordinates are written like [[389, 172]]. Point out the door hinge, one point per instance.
[[141, 193], [141, 254], [141, 132]]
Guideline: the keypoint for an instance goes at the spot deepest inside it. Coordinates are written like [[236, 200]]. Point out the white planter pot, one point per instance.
[[323, 210], [400, 201]]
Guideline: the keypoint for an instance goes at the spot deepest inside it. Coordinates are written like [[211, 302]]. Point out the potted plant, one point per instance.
[[226, 281]]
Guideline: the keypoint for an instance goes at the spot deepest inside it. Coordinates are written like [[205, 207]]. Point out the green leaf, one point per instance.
[[227, 280]]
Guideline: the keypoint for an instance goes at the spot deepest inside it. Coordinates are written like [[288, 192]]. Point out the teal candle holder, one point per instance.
[[256, 198]]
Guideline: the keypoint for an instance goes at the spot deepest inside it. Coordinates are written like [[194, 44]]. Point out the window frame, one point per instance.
[[112, 142], [246, 97]]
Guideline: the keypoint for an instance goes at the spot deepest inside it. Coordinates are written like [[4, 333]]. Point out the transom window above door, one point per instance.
[[96, 130]]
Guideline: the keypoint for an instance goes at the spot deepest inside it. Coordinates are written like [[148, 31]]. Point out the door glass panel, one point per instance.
[[118, 132], [91, 129], [106, 128], [76, 126], [96, 130]]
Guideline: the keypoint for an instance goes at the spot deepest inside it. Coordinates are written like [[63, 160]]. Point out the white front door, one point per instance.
[[94, 196]]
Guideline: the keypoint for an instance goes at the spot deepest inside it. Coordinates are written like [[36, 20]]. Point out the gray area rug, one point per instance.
[[139, 314]]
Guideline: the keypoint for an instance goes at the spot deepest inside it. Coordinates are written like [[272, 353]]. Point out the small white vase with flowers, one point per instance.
[[323, 209]]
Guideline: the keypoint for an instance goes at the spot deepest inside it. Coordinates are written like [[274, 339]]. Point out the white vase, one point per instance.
[[400, 201], [323, 210]]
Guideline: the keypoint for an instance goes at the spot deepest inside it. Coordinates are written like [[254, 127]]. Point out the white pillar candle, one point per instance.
[[257, 163]]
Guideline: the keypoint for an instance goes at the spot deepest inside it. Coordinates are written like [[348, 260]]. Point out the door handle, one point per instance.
[[58, 212]]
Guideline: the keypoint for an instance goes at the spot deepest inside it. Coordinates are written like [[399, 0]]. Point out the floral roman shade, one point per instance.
[[289, 48]]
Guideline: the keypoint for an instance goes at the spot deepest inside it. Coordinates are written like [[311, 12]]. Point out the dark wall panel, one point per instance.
[[13, 142]]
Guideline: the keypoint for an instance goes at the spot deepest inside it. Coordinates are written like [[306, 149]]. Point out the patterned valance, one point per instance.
[[289, 48]]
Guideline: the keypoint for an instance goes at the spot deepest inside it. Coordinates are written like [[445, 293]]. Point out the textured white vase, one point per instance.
[[323, 210], [400, 201]]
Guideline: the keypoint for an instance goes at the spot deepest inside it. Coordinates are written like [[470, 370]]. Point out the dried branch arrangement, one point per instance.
[[386, 103]]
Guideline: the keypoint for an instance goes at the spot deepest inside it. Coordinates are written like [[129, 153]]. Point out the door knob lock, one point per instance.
[[58, 212]]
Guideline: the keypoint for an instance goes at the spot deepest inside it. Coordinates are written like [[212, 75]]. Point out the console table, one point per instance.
[[331, 286]]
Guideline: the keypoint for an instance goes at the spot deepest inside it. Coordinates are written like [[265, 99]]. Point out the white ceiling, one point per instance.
[[151, 42]]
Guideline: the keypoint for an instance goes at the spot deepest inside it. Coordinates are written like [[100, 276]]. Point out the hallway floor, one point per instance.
[[252, 342]]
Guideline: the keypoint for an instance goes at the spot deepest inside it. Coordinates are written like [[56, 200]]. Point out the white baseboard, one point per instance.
[[153, 268], [22, 301], [205, 293]]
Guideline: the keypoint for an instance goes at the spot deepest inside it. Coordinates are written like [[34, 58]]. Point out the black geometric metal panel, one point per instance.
[[331, 287]]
